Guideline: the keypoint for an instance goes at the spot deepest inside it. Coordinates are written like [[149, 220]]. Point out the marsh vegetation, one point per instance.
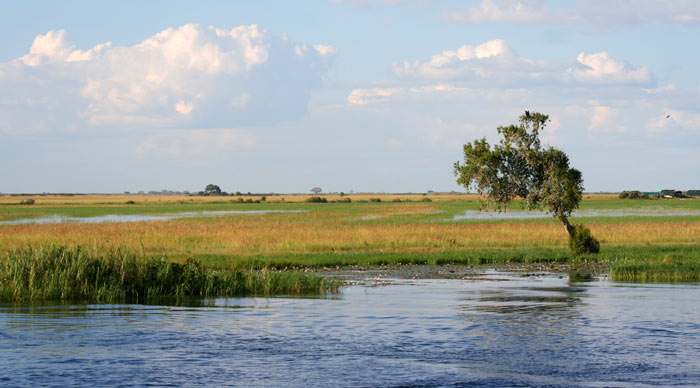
[[316, 235]]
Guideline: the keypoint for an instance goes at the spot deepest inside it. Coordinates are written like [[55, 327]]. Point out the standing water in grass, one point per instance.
[[502, 330]]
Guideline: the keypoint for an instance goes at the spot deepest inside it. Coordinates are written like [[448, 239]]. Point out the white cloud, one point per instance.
[[601, 68], [325, 49], [364, 96], [482, 61], [496, 63], [189, 76], [507, 12]]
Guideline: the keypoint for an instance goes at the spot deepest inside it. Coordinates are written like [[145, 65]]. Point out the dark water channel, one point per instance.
[[502, 331]]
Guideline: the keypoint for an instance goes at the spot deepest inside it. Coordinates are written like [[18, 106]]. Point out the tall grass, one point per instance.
[[665, 272], [53, 272]]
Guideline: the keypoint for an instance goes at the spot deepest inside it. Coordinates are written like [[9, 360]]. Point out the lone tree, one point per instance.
[[519, 166], [316, 190], [212, 190]]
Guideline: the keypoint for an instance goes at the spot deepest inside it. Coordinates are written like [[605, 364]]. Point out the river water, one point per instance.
[[500, 331]]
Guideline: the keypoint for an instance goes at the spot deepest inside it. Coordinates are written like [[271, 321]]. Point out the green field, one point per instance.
[[641, 240]]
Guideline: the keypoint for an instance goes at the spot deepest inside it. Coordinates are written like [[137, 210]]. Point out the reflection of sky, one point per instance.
[[140, 217], [514, 215]]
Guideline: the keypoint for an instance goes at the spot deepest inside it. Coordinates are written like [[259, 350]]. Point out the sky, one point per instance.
[[355, 95]]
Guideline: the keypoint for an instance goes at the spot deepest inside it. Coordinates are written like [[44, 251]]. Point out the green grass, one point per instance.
[[664, 272], [55, 273]]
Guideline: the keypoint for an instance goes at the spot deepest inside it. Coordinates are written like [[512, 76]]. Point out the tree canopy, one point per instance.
[[519, 166], [212, 189]]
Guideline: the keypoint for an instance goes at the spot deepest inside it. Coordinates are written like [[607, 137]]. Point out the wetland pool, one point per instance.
[[58, 219], [503, 330]]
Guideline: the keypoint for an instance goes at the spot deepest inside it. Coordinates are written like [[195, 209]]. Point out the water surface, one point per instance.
[[57, 219], [505, 331], [515, 215]]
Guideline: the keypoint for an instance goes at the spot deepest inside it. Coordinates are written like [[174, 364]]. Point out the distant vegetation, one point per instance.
[[633, 195]]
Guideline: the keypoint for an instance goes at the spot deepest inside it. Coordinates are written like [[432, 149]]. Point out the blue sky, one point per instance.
[[363, 95]]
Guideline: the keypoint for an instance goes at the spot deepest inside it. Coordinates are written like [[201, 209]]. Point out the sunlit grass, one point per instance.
[[57, 273], [333, 233]]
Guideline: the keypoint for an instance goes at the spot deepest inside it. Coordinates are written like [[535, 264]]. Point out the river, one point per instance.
[[502, 330]]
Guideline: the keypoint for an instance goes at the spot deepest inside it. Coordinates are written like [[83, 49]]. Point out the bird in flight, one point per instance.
[[668, 116]]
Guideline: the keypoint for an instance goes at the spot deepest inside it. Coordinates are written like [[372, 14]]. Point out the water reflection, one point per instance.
[[140, 217], [516, 215], [501, 331]]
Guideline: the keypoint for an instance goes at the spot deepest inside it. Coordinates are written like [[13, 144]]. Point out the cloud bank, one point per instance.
[[186, 77]]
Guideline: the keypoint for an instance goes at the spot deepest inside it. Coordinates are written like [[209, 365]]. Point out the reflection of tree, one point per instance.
[[522, 327]]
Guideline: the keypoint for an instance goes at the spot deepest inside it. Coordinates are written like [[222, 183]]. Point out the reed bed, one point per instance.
[[664, 272], [57, 273]]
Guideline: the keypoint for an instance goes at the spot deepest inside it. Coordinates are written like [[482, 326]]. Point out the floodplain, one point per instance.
[[642, 240]]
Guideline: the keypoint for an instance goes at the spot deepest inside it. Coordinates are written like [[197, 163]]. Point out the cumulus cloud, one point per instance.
[[186, 77], [496, 63], [493, 60], [601, 68]]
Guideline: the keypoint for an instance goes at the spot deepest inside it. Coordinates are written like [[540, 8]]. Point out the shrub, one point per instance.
[[581, 241], [316, 200], [396, 200], [426, 199], [130, 202], [343, 200], [27, 202], [632, 194], [375, 200]]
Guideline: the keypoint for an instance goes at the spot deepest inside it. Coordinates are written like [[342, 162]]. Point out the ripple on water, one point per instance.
[[540, 331]]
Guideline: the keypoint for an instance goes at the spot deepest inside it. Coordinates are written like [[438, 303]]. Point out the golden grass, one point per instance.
[[337, 232], [110, 199]]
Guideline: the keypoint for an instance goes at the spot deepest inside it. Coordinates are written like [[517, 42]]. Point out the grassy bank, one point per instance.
[[408, 230], [59, 273]]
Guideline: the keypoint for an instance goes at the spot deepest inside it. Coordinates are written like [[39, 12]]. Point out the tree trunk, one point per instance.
[[567, 226]]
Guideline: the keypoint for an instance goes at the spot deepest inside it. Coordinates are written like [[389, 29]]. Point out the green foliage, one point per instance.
[[28, 201], [632, 194], [657, 272], [212, 190], [316, 200], [60, 273], [518, 166], [343, 200], [581, 241]]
